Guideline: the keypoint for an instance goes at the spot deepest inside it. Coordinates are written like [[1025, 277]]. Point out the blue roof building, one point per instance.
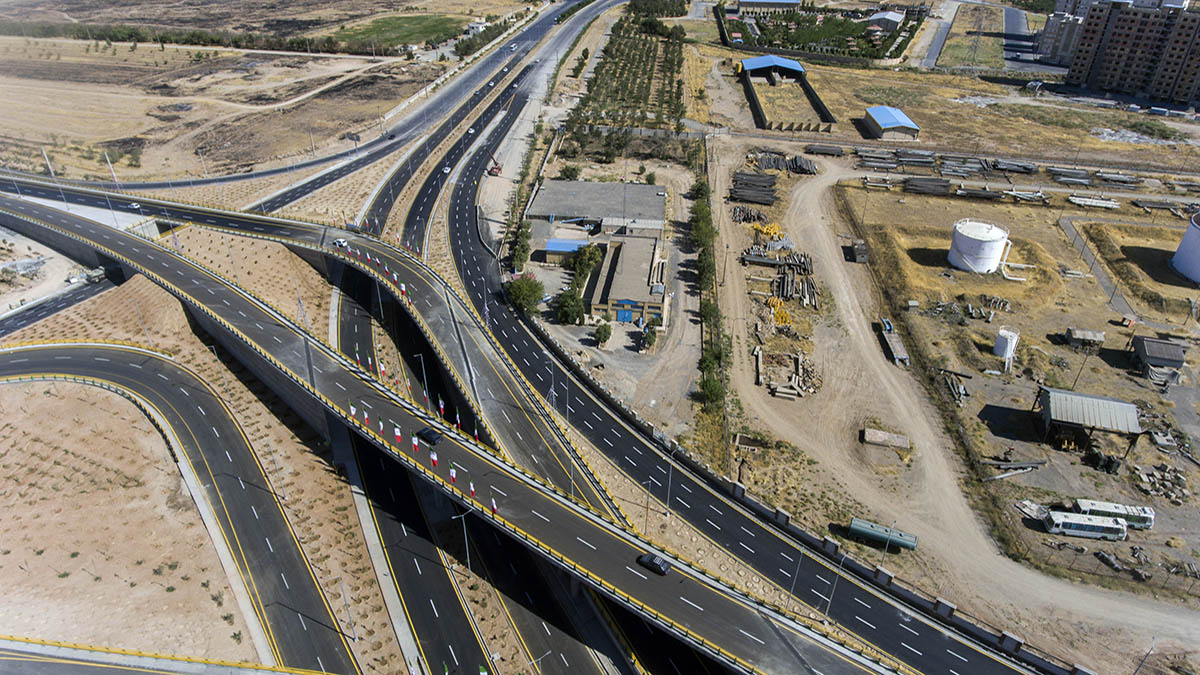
[[773, 64], [887, 122]]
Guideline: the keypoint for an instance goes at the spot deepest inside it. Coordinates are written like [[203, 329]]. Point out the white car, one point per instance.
[[445, 169], [471, 130], [135, 206], [492, 83], [340, 243]]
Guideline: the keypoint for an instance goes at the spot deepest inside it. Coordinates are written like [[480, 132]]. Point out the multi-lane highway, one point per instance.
[[857, 607], [298, 623], [691, 605]]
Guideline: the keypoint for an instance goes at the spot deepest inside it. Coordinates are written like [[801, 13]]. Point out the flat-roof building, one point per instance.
[[588, 204], [630, 282], [890, 123], [769, 5]]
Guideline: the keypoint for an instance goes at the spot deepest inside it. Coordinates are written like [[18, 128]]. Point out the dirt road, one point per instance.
[[1091, 625]]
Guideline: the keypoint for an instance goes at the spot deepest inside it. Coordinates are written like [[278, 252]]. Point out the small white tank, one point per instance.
[[976, 246], [1006, 343], [1186, 260]]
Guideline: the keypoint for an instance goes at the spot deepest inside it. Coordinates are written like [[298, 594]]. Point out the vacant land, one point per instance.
[[390, 31], [254, 16], [175, 112], [975, 116], [785, 103], [976, 38], [141, 550]]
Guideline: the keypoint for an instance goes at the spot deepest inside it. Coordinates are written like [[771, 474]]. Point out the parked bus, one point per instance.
[[1138, 517], [1092, 527]]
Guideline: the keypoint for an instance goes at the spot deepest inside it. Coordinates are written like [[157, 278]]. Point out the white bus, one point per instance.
[[1138, 517], [1092, 527]]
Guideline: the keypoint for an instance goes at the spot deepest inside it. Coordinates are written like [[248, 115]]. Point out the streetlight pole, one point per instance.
[[792, 590], [466, 542], [670, 473], [829, 605], [887, 544], [646, 484], [424, 382]]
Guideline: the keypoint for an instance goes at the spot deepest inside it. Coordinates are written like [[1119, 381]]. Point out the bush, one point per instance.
[[712, 391], [603, 333], [525, 293], [651, 338], [569, 172], [651, 179]]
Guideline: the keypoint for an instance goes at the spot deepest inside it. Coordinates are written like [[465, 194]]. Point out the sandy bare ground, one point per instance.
[[52, 276], [1089, 625], [71, 449], [318, 501]]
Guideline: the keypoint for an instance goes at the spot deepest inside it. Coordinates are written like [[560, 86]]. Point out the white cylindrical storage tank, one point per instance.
[[1006, 343], [976, 246], [1186, 260]]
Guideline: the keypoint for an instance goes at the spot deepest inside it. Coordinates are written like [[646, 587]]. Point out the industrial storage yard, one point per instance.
[[753, 337]]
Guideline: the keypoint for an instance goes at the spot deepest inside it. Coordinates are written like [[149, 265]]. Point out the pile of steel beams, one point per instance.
[[755, 188]]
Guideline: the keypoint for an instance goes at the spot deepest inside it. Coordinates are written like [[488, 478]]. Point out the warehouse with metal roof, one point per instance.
[[771, 65], [1060, 409], [890, 123]]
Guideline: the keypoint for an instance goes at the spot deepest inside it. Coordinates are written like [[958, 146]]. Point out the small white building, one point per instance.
[[890, 123]]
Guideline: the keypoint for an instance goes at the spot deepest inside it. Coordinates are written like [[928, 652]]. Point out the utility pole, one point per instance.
[[424, 381], [889, 541], [1148, 652], [346, 602]]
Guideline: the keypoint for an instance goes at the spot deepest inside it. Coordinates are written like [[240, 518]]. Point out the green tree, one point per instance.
[[583, 262], [603, 333], [651, 338], [708, 310], [525, 293], [712, 391], [651, 179], [570, 307], [699, 190], [569, 172]]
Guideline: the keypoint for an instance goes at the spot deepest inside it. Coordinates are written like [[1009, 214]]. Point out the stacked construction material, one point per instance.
[[1118, 178], [882, 159], [779, 162], [828, 150], [756, 188], [923, 158], [1093, 202], [1185, 185], [748, 214], [979, 193], [759, 255], [927, 186], [963, 166], [1070, 176], [1010, 166]]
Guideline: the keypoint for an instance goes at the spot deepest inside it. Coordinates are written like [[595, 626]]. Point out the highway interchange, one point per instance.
[[707, 611]]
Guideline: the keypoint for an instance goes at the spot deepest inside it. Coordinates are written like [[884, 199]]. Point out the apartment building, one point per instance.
[[1148, 51]]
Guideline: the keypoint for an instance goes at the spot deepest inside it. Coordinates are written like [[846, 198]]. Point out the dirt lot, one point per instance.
[[17, 285], [72, 449], [785, 103], [318, 504], [922, 492], [179, 112]]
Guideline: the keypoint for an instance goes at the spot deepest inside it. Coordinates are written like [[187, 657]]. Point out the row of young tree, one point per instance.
[[712, 350], [658, 7]]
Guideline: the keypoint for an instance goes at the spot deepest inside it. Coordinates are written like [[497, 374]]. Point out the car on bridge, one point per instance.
[[655, 563]]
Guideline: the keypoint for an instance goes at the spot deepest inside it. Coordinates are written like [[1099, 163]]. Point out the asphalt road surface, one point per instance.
[[33, 313], [513, 501], [298, 621]]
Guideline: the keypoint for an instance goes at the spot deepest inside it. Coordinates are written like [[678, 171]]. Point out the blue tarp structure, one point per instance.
[[888, 117]]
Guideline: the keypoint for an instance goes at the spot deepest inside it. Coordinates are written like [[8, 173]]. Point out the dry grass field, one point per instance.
[[974, 38], [1138, 256]]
